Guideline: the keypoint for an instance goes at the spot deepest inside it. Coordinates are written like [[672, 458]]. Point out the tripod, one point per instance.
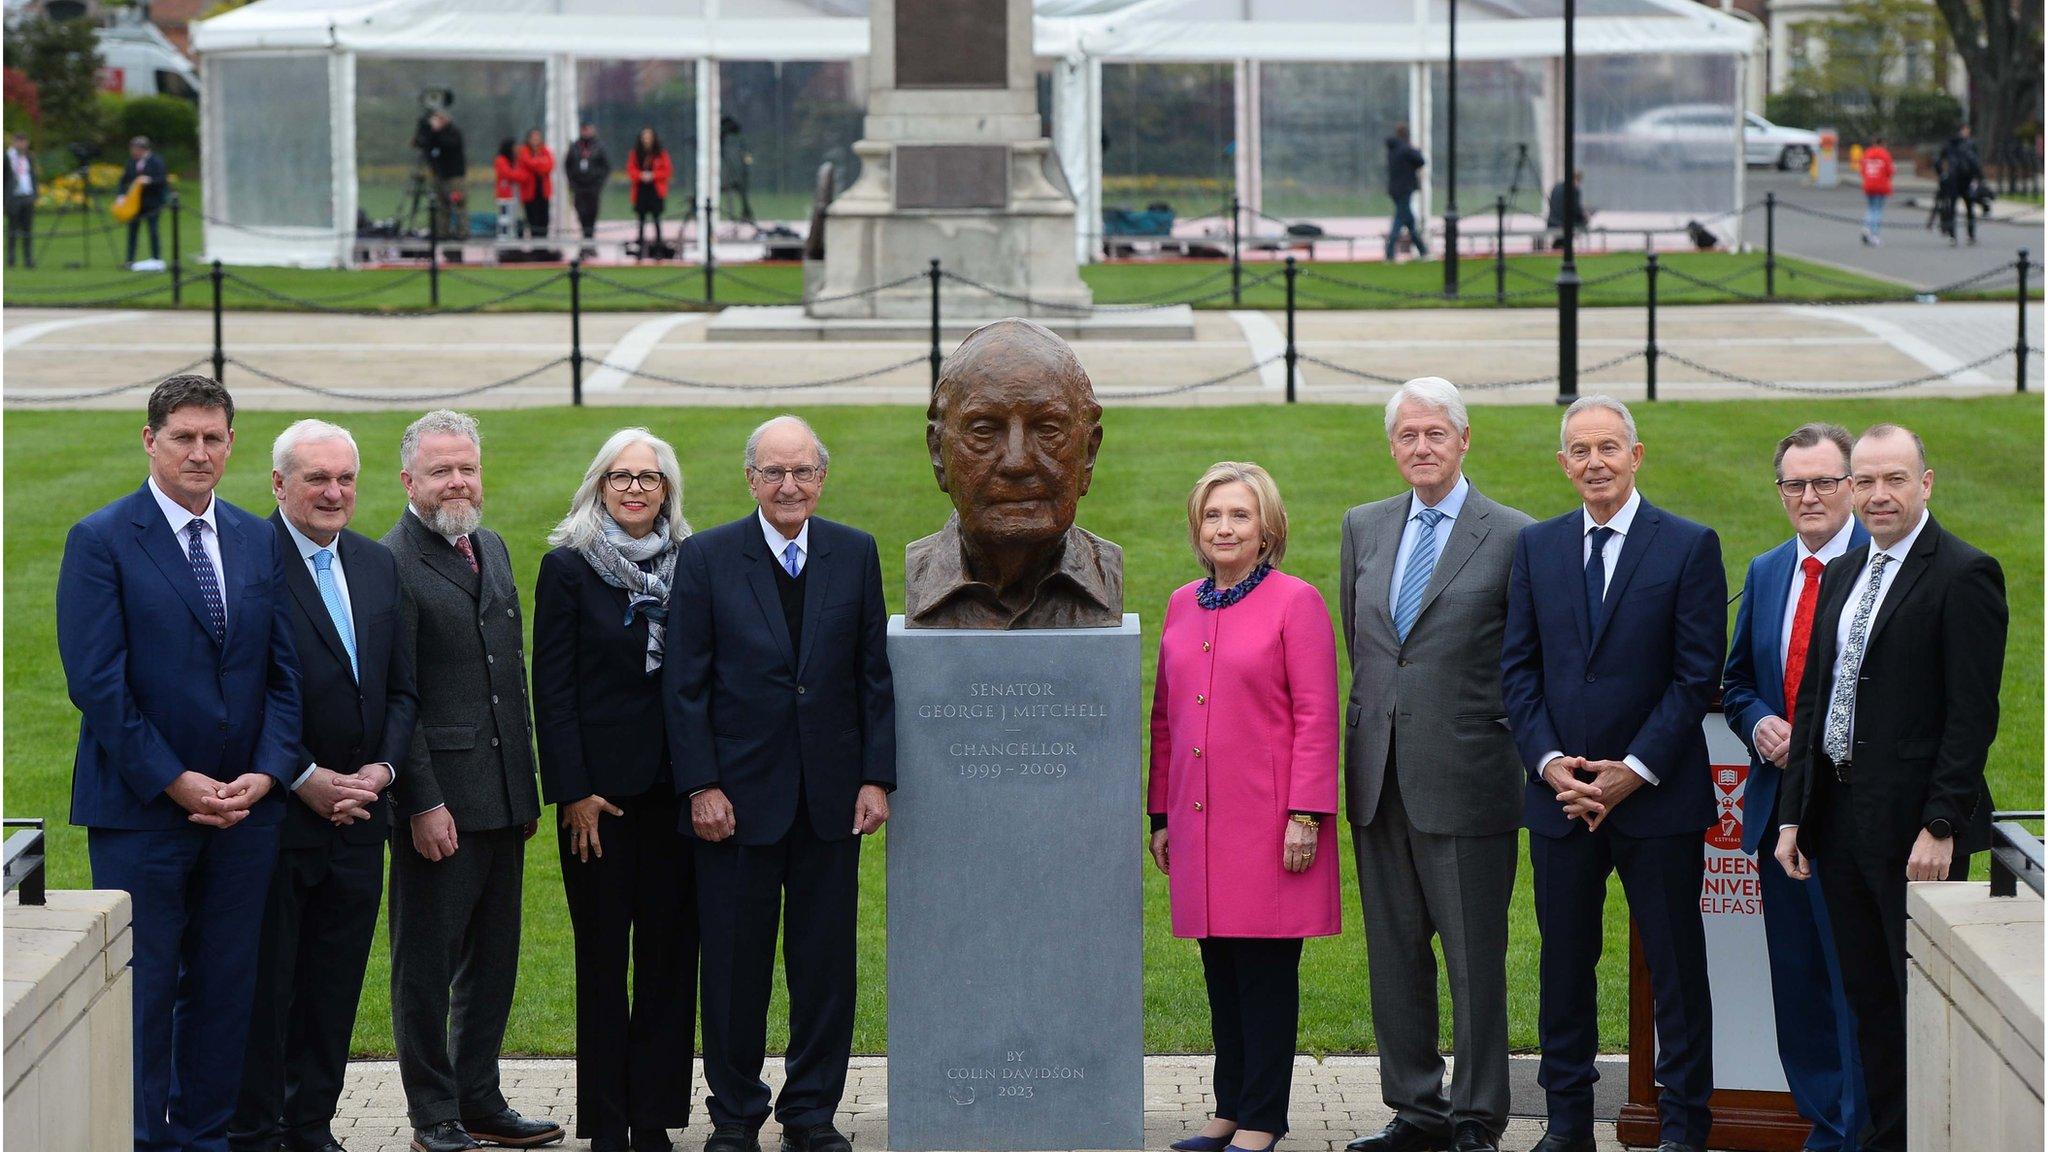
[[88, 215], [424, 193], [1523, 166]]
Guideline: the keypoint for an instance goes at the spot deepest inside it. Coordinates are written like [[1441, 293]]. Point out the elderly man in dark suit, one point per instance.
[[781, 716], [1884, 781], [175, 631], [1606, 681], [357, 723], [1434, 786], [467, 794]]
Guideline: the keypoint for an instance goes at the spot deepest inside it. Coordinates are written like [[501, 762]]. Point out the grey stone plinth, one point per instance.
[[786, 322], [1015, 920]]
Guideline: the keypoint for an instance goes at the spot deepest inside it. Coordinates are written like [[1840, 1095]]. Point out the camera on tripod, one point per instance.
[[434, 190], [85, 152]]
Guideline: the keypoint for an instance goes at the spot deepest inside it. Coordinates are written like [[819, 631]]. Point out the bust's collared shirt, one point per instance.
[[1837, 545], [1452, 504], [1083, 590], [307, 550], [778, 544], [1620, 523], [409, 507], [180, 520]]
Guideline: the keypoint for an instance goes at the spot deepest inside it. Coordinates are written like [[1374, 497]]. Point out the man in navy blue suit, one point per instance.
[[1617, 619], [174, 626], [782, 727], [1766, 658]]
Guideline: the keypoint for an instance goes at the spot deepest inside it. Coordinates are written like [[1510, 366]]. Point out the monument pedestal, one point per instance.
[[1015, 900]]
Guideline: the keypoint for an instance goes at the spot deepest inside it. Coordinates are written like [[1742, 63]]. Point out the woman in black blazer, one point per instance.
[[597, 648]]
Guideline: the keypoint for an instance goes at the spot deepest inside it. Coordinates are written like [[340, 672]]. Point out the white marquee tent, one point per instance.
[[308, 104]]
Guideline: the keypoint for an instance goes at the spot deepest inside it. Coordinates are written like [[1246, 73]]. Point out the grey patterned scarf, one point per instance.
[[642, 567]]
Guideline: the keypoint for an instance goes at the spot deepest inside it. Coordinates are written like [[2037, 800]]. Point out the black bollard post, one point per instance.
[[177, 256], [1650, 346], [710, 256], [220, 355], [938, 354], [1292, 355], [1500, 249], [576, 332], [2019, 344], [1236, 259], [433, 266], [1770, 243]]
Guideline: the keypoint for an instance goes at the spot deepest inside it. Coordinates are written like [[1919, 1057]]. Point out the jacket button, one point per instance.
[[799, 689], [494, 741], [489, 659], [508, 612], [1205, 645], [1198, 753], [1201, 699], [1589, 677], [1401, 663], [494, 698], [1198, 805]]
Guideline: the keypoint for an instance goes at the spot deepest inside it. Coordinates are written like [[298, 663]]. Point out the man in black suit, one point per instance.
[[466, 792], [781, 717], [357, 718], [1884, 781], [146, 166]]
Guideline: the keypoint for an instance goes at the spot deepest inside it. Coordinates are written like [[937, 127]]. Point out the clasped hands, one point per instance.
[[341, 799], [711, 813], [1591, 800], [216, 804]]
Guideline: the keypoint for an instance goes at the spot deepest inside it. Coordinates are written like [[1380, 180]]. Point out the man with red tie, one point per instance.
[[1766, 660]]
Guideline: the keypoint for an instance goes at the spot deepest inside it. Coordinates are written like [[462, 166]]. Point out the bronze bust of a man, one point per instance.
[[1013, 429]]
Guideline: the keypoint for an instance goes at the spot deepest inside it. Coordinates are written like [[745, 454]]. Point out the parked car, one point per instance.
[[1766, 143], [1699, 135]]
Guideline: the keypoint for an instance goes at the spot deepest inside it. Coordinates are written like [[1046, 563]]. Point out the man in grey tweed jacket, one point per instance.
[[466, 799]]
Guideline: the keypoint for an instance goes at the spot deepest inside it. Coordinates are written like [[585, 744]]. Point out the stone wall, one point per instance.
[[69, 1023], [1973, 1018]]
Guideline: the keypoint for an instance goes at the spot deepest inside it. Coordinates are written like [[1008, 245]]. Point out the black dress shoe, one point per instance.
[[732, 1138], [610, 1144], [651, 1140], [816, 1138], [1474, 1137], [1402, 1136], [1552, 1142], [447, 1136], [509, 1129]]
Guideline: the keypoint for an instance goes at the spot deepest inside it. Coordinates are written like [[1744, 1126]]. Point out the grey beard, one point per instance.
[[450, 522]]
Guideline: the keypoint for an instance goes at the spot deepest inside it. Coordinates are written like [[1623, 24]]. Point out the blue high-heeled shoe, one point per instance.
[[1200, 1143]]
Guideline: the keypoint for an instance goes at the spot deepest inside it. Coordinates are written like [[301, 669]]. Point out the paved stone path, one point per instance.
[[1912, 253], [403, 363], [1335, 1100]]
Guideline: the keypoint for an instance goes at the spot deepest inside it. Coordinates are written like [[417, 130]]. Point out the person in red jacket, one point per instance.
[[1877, 188], [539, 162], [647, 170], [515, 187]]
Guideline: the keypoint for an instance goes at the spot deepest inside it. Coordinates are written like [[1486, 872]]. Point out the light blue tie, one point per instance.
[[793, 559], [1415, 581], [330, 595]]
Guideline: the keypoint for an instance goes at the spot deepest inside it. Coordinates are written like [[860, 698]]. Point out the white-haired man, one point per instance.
[[357, 708], [1434, 787], [467, 795]]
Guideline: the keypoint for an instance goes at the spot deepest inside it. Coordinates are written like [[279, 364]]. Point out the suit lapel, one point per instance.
[[307, 592], [762, 580], [1376, 567], [1767, 622], [439, 556], [817, 573], [1917, 562], [1641, 535], [1573, 541], [160, 544]]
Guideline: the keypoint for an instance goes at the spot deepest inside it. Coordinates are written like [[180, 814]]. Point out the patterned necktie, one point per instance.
[[1596, 576], [209, 580], [1415, 580], [792, 559], [463, 546], [1802, 632], [330, 595], [1842, 701]]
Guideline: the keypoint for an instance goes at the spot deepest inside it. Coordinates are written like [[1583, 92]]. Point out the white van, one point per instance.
[[136, 60]]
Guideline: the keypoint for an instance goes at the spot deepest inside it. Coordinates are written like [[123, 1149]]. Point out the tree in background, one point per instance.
[[61, 58], [1876, 56], [2000, 43]]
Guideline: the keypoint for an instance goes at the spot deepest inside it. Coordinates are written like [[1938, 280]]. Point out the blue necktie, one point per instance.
[[1415, 581], [209, 580], [1596, 576], [793, 559], [330, 595]]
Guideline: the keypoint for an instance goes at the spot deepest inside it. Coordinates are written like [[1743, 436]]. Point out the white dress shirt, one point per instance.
[[778, 543], [18, 169], [1898, 553], [1452, 504], [1836, 546], [307, 548], [209, 538], [1620, 522]]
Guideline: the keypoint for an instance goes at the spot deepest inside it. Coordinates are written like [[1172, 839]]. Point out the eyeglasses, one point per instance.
[[627, 481], [1821, 485], [802, 473]]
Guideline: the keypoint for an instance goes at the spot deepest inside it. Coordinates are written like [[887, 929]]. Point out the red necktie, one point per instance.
[[1802, 631], [462, 545]]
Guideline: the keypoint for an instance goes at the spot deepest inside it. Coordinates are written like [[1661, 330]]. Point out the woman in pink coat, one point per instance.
[[1244, 774]]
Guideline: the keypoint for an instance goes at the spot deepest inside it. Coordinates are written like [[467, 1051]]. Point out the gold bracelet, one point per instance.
[[1305, 820]]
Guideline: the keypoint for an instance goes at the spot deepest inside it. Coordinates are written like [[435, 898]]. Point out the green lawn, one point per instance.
[[1709, 461]]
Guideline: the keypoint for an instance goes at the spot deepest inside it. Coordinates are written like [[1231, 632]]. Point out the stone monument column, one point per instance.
[[954, 165]]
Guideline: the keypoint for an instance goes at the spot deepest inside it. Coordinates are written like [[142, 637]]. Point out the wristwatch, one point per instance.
[[1939, 828], [1306, 820]]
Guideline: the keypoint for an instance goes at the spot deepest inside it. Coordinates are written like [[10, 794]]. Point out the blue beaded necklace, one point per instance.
[[1208, 597]]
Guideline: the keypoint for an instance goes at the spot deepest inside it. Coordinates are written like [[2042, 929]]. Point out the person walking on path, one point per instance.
[[1877, 188], [1959, 169], [1404, 167]]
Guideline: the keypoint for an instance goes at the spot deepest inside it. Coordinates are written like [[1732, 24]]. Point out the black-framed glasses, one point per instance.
[[1821, 485], [802, 473], [627, 481]]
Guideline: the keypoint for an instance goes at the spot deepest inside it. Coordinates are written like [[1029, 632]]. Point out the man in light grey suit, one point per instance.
[[1434, 784]]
